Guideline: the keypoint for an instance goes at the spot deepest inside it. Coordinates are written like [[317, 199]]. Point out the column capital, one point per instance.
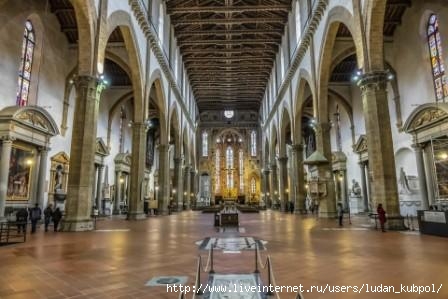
[[322, 127], [266, 171], [100, 166], [376, 80], [85, 80], [273, 166], [297, 147], [417, 147], [282, 159], [177, 160], [43, 149], [363, 164], [7, 138], [139, 126]]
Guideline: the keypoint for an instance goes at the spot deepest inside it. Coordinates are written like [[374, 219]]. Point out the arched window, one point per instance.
[[26, 62], [241, 168], [204, 144], [253, 143], [229, 158], [253, 186], [298, 24], [229, 166], [435, 52], [161, 28], [217, 170]]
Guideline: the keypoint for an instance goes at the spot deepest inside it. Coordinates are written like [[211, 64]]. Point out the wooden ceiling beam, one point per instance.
[[183, 43], [227, 9], [228, 21], [278, 32]]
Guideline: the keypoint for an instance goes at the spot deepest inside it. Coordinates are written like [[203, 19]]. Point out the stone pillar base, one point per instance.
[[79, 225], [136, 216], [395, 223], [163, 212], [327, 214]]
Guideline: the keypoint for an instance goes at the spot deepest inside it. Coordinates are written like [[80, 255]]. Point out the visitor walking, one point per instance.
[[57, 215], [35, 215], [48, 213], [381, 216], [340, 213], [291, 207]]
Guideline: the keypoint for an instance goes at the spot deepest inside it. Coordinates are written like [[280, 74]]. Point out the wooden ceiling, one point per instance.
[[229, 48]]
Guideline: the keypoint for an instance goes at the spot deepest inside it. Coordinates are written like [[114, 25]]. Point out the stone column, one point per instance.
[[365, 197], [95, 177], [192, 195], [187, 186], [99, 183], [137, 175], [380, 146], [299, 190], [4, 172], [42, 175], [421, 175], [344, 192], [267, 188], [327, 203], [179, 183], [163, 192], [274, 184], [78, 207], [117, 193], [430, 184], [283, 183]]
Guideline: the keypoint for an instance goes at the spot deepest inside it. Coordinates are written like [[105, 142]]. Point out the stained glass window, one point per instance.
[[26, 62], [436, 54], [229, 155], [241, 168], [253, 185], [229, 166], [217, 170], [204, 144], [253, 143]]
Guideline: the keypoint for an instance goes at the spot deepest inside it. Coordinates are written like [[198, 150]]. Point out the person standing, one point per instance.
[[291, 207], [381, 216], [48, 213], [57, 215], [340, 213], [35, 215], [22, 218]]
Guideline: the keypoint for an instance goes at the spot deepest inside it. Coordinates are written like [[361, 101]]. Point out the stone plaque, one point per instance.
[[430, 216]]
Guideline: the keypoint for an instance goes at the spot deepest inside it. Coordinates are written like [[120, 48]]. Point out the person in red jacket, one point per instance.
[[381, 216]]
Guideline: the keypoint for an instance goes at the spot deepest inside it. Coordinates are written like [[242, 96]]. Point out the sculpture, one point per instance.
[[356, 189], [58, 178]]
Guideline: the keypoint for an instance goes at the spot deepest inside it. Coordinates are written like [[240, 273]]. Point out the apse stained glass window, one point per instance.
[[217, 170], [436, 54], [253, 186], [241, 168], [26, 62], [204, 144], [253, 143], [229, 166]]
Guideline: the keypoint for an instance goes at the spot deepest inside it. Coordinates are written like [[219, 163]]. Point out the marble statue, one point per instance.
[[356, 189]]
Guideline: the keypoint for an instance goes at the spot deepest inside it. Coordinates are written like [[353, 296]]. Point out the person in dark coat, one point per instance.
[[21, 218], [48, 213], [35, 215], [381, 216], [291, 207], [57, 215], [340, 213]]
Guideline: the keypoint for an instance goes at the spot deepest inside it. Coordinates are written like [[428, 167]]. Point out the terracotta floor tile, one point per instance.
[[304, 250]]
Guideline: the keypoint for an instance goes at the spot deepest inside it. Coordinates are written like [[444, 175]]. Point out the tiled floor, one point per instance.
[[117, 261]]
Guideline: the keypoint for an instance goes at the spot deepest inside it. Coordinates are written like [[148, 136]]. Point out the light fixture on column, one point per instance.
[[103, 82]]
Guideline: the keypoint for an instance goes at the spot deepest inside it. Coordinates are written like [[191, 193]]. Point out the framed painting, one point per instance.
[[20, 165]]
